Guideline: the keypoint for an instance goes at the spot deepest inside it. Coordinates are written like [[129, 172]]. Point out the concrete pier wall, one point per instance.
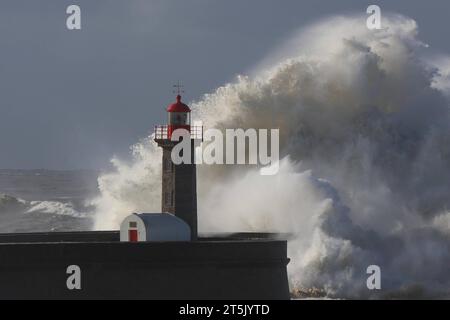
[[35, 265]]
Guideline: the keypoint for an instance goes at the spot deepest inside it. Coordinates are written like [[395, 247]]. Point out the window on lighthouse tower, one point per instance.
[[179, 118]]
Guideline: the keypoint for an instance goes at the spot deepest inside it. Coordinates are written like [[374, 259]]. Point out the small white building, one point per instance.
[[154, 227]]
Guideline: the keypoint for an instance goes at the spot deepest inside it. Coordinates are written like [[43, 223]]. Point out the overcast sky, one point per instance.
[[72, 99]]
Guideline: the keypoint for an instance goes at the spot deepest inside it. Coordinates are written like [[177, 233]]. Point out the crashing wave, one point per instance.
[[10, 204], [365, 137], [55, 207]]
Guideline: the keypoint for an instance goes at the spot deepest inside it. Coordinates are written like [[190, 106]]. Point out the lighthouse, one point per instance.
[[179, 181]]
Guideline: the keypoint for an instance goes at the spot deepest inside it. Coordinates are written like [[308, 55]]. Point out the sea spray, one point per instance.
[[365, 170], [134, 187]]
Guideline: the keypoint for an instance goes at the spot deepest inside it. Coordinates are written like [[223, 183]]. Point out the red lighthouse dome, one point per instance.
[[178, 106]]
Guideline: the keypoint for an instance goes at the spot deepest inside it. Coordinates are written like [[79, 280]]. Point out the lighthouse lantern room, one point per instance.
[[179, 116]]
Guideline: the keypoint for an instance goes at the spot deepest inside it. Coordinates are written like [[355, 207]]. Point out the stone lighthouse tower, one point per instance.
[[179, 182]]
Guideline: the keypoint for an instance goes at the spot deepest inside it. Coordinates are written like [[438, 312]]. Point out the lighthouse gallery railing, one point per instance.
[[162, 132]]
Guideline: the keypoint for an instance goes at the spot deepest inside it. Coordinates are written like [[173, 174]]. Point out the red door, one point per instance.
[[133, 235]]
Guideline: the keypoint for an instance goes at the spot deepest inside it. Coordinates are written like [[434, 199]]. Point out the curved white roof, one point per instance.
[[156, 227]]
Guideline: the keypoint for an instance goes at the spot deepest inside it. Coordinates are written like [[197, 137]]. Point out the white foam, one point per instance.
[[54, 207], [365, 141]]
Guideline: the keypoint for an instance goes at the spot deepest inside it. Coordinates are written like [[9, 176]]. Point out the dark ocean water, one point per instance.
[[46, 200]]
